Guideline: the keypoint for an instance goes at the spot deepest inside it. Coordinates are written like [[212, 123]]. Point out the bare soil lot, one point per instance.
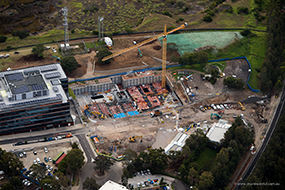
[[237, 67]]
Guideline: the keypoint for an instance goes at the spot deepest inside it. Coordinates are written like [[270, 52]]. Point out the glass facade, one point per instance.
[[35, 117]]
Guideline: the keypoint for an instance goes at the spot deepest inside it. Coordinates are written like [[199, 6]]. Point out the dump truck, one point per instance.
[[155, 113]]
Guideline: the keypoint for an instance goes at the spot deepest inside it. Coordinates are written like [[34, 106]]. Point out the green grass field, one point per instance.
[[205, 157], [89, 45]]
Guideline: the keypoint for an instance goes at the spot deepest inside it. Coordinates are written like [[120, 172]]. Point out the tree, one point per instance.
[[125, 177], [129, 30], [22, 34], [75, 159], [49, 183], [130, 154], [223, 156], [69, 63], [90, 184], [3, 38], [8, 48], [245, 32], [157, 159], [7, 186], [39, 49], [16, 183], [202, 57], [207, 18], [192, 175], [206, 180], [74, 145], [39, 170], [167, 13], [10, 164], [63, 180], [103, 53], [102, 163], [72, 31], [173, 58]]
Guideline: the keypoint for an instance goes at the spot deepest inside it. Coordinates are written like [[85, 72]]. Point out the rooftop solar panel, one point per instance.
[[48, 68], [17, 76], [52, 75], [21, 89]]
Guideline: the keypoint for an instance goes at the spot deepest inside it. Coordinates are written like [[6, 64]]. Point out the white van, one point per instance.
[[38, 160]]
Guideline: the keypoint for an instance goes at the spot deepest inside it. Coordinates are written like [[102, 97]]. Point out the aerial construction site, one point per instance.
[[143, 108]]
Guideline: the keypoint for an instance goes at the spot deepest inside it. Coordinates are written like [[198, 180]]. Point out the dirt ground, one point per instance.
[[238, 67]]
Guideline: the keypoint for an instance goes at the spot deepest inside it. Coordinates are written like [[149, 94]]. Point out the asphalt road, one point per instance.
[[271, 129]]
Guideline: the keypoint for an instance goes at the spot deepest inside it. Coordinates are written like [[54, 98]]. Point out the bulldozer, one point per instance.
[[133, 138]]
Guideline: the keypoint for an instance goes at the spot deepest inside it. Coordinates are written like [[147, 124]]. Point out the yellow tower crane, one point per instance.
[[164, 35]]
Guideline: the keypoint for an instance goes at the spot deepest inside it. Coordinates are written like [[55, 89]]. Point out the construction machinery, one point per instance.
[[262, 119], [164, 35], [57, 58], [67, 135], [133, 138], [155, 113], [221, 112], [217, 116], [241, 106], [140, 53], [103, 116]]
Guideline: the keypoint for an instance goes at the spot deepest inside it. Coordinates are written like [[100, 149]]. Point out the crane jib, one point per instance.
[[143, 42]]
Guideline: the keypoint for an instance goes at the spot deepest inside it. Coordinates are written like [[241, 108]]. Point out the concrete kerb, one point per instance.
[[80, 147], [92, 147]]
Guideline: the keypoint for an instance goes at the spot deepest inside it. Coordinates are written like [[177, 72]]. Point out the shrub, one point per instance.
[[103, 53], [8, 48], [3, 38], [245, 32], [95, 32], [22, 34], [211, 13], [243, 10], [207, 18], [69, 64], [181, 19], [129, 30], [72, 31], [167, 13]]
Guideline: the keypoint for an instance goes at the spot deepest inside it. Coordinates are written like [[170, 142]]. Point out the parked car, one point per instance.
[[16, 52], [35, 152], [47, 167], [21, 155], [30, 174], [145, 172], [54, 50], [46, 159], [139, 185], [25, 154], [49, 159], [222, 107], [47, 47], [155, 180], [134, 174], [148, 171], [218, 107], [138, 173], [7, 55], [35, 162], [45, 149], [19, 143], [1, 55], [50, 169], [54, 171], [146, 183], [142, 184], [142, 173], [38, 160]]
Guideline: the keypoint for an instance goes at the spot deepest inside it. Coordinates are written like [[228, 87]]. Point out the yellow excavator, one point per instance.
[[241, 106], [133, 138], [103, 116]]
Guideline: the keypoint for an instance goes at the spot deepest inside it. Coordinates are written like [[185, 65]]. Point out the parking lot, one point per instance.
[[148, 180]]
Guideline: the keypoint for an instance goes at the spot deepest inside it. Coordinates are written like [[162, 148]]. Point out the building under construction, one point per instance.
[[123, 96]]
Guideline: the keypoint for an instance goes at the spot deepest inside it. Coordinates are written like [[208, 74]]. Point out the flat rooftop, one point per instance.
[[33, 85], [110, 185], [217, 131]]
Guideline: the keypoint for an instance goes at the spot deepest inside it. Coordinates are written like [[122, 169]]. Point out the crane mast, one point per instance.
[[164, 45]]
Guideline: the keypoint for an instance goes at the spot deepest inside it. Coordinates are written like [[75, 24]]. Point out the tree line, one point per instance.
[[270, 166], [273, 68]]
